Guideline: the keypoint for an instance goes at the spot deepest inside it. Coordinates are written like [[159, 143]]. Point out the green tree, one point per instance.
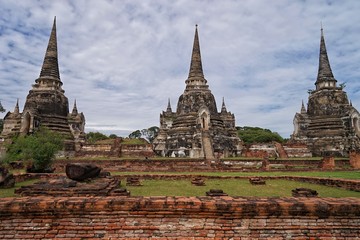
[[37, 150], [113, 136], [150, 134], [92, 137], [257, 135], [2, 109], [135, 134]]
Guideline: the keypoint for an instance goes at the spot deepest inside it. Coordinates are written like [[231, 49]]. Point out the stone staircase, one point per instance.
[[207, 145]]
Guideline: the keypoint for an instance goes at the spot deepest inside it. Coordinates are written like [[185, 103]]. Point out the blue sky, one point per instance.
[[122, 60]]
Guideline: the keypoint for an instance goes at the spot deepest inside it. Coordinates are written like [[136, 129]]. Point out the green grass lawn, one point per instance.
[[9, 192], [233, 187], [340, 174]]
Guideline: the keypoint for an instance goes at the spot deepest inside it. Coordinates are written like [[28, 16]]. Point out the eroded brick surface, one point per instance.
[[179, 217]]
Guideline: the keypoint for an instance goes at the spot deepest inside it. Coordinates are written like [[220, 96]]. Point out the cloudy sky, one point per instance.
[[122, 60]]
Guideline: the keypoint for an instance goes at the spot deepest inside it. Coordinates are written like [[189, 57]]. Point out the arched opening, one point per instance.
[[205, 121]]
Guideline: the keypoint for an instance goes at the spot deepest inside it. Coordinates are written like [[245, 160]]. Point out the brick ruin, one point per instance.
[[115, 148], [330, 124], [197, 129], [202, 165], [179, 217], [46, 105]]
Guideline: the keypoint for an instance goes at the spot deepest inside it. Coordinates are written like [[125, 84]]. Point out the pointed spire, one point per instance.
[[223, 107], [303, 109], [196, 75], [50, 67], [16, 110], [324, 73], [74, 111], [168, 109]]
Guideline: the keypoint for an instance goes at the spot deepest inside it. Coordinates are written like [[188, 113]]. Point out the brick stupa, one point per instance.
[[46, 105], [197, 129], [330, 124]]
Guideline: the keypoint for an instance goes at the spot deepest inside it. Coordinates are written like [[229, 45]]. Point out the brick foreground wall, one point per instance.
[[179, 217]]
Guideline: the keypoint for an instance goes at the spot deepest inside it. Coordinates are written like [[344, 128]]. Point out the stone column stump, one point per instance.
[[327, 163], [355, 159]]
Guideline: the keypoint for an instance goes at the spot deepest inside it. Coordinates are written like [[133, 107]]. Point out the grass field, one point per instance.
[[9, 192], [233, 187], [340, 174]]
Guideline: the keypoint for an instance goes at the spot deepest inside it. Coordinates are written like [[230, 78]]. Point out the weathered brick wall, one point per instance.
[[115, 149], [136, 150], [179, 217], [140, 165], [194, 165]]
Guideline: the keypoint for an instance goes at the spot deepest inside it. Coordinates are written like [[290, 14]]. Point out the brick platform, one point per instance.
[[179, 217]]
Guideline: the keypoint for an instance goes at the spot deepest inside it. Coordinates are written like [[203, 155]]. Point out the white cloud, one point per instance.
[[122, 60]]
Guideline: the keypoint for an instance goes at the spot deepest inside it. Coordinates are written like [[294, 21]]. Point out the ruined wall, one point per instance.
[[137, 150], [115, 149], [193, 165], [142, 165], [297, 150], [179, 217]]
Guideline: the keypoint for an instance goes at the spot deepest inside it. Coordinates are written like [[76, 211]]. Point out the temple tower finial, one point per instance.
[[196, 75], [325, 77], [50, 67]]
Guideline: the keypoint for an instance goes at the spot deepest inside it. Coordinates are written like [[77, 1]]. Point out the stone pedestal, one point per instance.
[[257, 181], [304, 192], [133, 181], [216, 193], [198, 181]]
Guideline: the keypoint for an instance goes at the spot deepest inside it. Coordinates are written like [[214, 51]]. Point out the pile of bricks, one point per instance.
[[304, 192], [215, 193], [198, 181], [133, 181], [257, 181], [63, 186]]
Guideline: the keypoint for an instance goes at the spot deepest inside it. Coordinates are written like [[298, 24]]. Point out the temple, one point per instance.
[[46, 105], [330, 124], [197, 129]]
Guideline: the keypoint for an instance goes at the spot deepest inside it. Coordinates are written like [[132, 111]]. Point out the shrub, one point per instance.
[[37, 150]]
